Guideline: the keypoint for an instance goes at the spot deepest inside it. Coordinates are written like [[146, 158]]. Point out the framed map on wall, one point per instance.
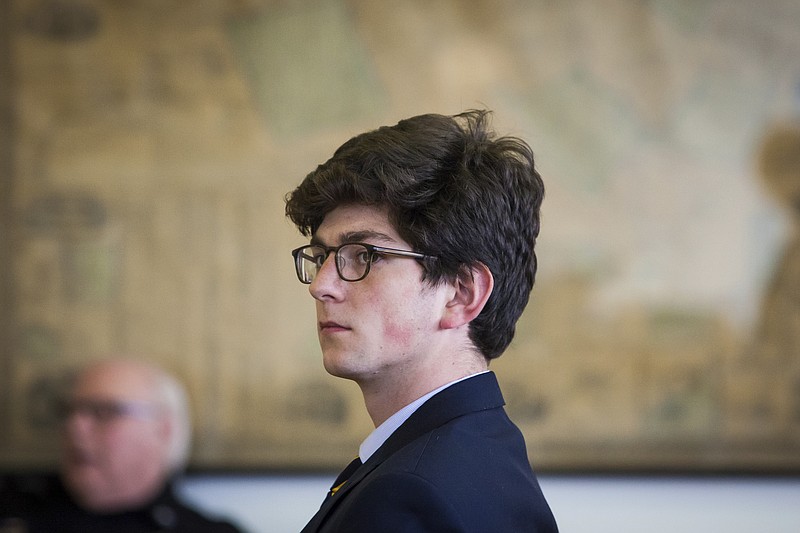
[[147, 148]]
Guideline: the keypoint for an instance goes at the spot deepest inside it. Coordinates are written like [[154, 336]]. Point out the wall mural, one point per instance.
[[153, 142]]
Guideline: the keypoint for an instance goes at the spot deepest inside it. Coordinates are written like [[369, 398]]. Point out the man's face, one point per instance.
[[115, 440], [383, 326]]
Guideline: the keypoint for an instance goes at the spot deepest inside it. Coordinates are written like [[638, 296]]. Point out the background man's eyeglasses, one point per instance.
[[353, 259], [105, 411]]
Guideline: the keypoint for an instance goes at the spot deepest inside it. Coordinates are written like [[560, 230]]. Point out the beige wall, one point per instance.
[[152, 144]]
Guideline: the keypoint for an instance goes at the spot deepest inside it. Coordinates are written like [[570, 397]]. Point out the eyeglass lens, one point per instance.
[[352, 261], [104, 411]]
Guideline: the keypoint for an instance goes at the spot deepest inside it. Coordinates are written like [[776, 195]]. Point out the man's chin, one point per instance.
[[334, 368], [96, 501], [84, 485]]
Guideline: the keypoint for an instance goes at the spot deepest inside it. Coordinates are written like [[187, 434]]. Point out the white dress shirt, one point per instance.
[[376, 439]]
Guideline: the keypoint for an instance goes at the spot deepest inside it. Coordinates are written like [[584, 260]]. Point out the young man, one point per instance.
[[126, 434], [421, 261]]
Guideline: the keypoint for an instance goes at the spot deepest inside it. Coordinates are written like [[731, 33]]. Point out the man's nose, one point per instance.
[[327, 280], [78, 421]]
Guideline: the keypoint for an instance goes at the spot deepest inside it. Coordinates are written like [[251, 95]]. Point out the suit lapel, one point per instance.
[[478, 393]]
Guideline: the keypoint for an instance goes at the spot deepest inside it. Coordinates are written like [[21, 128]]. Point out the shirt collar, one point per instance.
[[376, 439]]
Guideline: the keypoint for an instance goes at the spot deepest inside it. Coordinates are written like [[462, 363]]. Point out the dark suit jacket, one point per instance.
[[457, 464]]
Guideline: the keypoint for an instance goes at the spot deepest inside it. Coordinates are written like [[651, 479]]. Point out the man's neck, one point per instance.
[[384, 397]]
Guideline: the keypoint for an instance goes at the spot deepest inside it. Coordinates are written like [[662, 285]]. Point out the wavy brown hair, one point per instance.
[[453, 190]]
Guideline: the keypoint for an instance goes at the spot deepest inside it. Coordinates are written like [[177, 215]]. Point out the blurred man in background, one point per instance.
[[126, 436]]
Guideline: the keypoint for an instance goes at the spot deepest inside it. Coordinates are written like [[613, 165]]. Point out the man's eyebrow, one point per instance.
[[358, 236]]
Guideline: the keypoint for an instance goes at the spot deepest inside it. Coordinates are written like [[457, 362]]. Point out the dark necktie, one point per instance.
[[316, 521], [342, 478]]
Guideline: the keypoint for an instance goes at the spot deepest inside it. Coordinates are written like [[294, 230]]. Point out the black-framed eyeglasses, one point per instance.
[[353, 259], [105, 411]]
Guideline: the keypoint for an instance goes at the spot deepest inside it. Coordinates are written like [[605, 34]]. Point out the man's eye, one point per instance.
[[105, 412], [364, 257], [317, 259]]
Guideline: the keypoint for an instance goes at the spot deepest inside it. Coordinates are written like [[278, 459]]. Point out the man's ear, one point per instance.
[[165, 427], [473, 286]]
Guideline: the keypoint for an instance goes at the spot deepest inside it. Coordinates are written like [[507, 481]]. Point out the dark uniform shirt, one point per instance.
[[40, 504]]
